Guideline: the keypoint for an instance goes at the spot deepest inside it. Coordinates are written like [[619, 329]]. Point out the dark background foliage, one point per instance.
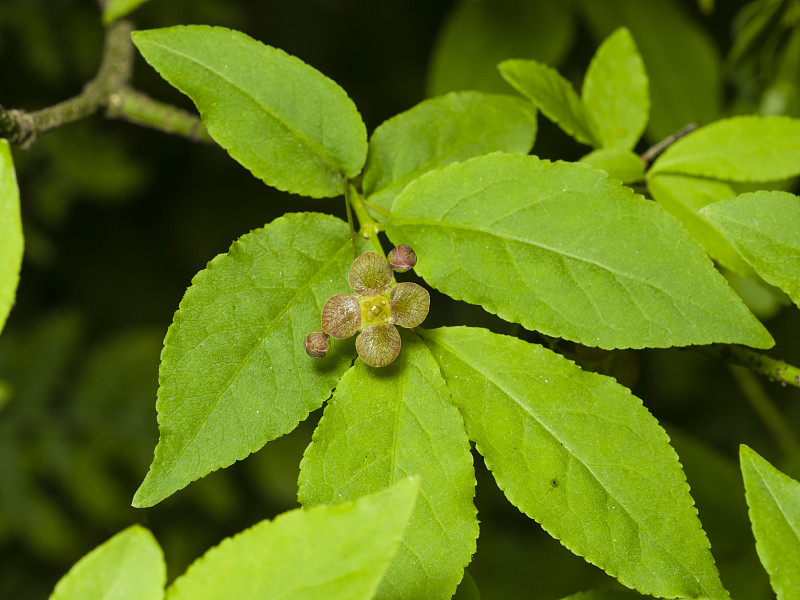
[[117, 221]]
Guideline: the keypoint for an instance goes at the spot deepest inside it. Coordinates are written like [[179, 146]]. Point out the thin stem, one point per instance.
[[775, 369], [766, 410], [375, 207], [141, 109], [347, 201], [649, 155], [369, 227]]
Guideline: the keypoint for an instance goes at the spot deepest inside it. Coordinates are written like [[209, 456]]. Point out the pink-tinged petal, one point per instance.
[[409, 304], [378, 345], [341, 316], [317, 344], [370, 274], [402, 258]]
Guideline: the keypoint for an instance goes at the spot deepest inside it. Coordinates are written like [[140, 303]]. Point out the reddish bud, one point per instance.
[[317, 344], [402, 258]]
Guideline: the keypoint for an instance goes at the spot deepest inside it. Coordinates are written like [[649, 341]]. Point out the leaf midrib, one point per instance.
[[316, 148], [622, 275], [563, 443], [776, 500]]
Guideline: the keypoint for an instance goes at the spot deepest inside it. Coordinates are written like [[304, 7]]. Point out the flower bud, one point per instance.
[[402, 258], [317, 344]]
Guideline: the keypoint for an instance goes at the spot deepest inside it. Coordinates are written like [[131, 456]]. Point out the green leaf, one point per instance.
[[683, 197], [330, 552], [280, 118], [234, 373], [381, 426], [479, 34], [579, 454], [130, 565], [562, 249], [11, 242], [684, 85], [440, 131], [774, 501], [552, 94], [765, 228], [604, 595], [116, 9], [748, 148], [615, 92], [624, 165]]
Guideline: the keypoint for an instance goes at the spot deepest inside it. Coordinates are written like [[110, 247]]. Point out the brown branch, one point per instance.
[[652, 153]]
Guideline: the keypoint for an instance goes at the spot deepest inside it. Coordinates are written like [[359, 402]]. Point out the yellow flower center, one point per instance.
[[375, 309]]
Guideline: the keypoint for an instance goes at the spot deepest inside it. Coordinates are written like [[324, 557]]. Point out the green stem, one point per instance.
[[109, 89], [766, 410], [776, 370], [138, 108], [376, 208], [347, 201], [369, 227]]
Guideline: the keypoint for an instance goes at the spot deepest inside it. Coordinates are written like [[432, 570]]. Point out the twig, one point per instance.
[[649, 155], [141, 109], [23, 128], [109, 90], [775, 369], [767, 411]]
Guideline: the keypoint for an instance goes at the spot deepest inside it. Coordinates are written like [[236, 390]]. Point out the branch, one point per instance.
[[23, 128], [136, 107], [652, 153], [108, 90], [773, 368]]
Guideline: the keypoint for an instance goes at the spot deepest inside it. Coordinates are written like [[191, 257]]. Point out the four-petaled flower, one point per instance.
[[374, 308]]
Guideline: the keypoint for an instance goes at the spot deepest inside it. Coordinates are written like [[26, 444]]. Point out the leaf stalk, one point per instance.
[[347, 203]]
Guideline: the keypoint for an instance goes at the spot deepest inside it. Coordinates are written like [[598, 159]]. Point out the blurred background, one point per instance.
[[119, 218]]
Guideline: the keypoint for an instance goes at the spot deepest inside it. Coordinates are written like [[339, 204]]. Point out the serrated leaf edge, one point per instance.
[[514, 498], [523, 320], [317, 149], [188, 297]]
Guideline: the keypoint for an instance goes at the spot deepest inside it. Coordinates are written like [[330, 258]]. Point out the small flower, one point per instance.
[[374, 309]]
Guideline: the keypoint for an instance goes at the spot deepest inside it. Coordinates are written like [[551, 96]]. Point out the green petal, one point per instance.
[[341, 316], [409, 304], [378, 345], [370, 274]]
